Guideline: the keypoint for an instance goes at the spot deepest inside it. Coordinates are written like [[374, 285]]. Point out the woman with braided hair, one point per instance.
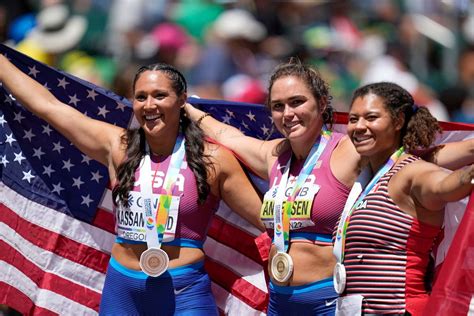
[[167, 183]]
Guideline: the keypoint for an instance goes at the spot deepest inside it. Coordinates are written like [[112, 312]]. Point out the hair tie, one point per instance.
[[415, 108]]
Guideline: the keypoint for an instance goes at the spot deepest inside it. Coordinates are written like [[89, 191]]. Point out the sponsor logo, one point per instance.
[[278, 229], [330, 302], [150, 223]]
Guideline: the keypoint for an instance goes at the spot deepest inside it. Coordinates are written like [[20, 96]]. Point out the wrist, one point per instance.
[[201, 118]]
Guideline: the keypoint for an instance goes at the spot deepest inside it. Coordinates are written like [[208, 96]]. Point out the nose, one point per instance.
[[149, 102], [360, 125], [288, 111]]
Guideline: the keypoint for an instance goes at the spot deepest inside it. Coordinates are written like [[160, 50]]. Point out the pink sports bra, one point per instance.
[[193, 219], [328, 202]]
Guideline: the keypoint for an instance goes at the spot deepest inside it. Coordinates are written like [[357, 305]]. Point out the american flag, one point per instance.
[[56, 220]]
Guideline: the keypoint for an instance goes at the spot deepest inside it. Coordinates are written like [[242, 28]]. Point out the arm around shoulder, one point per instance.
[[254, 152], [235, 188], [452, 155], [434, 187]]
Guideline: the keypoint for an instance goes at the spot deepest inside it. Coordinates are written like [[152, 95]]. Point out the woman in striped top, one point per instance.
[[394, 224]]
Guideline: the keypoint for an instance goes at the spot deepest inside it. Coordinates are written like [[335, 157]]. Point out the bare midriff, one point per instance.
[[311, 263], [128, 255]]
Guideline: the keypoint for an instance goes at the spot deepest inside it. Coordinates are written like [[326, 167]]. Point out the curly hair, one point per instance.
[[420, 127], [134, 140], [311, 76]]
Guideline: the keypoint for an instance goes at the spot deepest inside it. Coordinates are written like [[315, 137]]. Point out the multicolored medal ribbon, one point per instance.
[[282, 264], [356, 195], [154, 261]]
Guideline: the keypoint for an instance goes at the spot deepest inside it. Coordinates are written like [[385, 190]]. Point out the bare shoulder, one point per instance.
[[346, 162], [416, 170]]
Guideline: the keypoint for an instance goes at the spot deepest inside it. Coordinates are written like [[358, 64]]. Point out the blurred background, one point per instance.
[[227, 49]]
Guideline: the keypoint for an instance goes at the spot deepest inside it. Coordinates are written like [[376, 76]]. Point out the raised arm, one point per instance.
[[93, 137], [254, 152], [234, 187], [451, 155], [433, 187]]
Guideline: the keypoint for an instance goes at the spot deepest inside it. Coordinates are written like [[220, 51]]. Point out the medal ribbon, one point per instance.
[[167, 193], [282, 215], [357, 195], [156, 218]]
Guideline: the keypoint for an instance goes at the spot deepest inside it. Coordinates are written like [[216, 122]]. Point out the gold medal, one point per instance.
[[154, 261], [339, 278], [282, 267]]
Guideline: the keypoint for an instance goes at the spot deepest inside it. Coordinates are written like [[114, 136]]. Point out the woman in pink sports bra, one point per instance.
[[301, 266], [168, 181]]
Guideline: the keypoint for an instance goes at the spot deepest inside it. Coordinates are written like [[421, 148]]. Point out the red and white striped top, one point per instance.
[[387, 253]]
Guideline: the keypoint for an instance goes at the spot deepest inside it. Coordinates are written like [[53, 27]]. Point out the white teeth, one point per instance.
[[291, 124], [152, 117], [361, 138]]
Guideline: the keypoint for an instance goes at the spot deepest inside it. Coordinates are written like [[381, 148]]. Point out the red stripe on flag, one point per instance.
[[17, 300], [55, 243], [50, 281], [241, 241], [104, 220], [454, 287], [452, 126], [236, 285], [341, 118]]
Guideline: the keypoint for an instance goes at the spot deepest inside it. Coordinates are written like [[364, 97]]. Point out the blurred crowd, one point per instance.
[[227, 48]]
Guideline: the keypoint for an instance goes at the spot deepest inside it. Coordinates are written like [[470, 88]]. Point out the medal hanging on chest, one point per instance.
[[154, 261], [282, 264], [356, 195]]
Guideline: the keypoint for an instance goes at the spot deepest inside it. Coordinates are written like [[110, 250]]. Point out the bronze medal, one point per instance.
[[154, 261], [282, 267]]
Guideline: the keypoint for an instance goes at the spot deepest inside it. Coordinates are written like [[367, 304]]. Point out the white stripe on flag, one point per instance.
[[233, 260], [56, 221], [52, 263], [106, 203], [230, 304], [236, 220], [454, 136], [470, 312], [41, 297]]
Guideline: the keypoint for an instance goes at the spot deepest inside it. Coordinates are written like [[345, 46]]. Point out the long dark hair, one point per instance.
[[134, 140], [311, 76], [420, 127]]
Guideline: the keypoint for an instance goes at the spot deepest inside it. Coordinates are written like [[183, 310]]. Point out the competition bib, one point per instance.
[[300, 210], [131, 221]]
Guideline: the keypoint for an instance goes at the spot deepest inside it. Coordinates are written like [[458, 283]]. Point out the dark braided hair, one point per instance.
[[420, 127], [134, 140], [311, 76]]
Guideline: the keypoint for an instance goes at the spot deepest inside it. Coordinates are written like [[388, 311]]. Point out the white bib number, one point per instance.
[[131, 222], [300, 211]]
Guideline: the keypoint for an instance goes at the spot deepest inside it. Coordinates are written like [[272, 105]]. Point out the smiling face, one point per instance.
[[295, 111], [156, 104], [371, 127]]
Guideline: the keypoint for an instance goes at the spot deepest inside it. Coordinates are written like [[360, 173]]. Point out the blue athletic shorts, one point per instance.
[[184, 290], [317, 298]]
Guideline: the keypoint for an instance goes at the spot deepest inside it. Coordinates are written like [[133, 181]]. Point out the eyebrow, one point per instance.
[[289, 99]]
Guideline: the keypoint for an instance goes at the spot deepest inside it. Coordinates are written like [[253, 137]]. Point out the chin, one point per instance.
[[364, 150]]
